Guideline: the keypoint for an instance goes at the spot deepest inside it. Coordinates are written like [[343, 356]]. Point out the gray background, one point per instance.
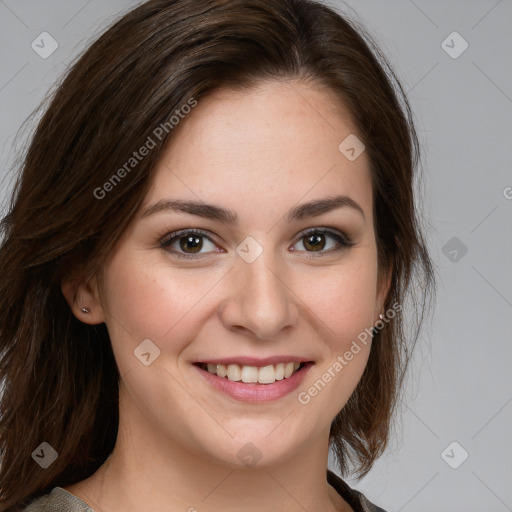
[[460, 387]]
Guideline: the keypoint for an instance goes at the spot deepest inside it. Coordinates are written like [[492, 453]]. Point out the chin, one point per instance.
[[257, 447]]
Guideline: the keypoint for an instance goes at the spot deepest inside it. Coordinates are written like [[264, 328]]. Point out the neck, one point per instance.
[[147, 470]]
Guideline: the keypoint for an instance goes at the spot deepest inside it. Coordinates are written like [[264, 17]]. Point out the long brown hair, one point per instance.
[[59, 375]]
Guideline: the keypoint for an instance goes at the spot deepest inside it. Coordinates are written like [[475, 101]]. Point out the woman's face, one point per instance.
[[253, 287]]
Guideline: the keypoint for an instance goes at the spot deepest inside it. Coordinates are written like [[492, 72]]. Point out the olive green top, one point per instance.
[[60, 500]]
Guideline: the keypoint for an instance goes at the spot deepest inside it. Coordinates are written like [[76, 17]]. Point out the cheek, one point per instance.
[[155, 302], [344, 303], [342, 299]]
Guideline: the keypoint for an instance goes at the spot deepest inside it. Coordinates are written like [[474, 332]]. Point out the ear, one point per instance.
[[81, 293], [383, 286]]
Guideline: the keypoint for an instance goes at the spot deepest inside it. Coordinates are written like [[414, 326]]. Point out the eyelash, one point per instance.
[[169, 239]]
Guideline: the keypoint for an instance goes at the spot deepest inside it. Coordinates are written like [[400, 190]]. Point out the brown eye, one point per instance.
[[188, 243], [192, 243], [315, 242]]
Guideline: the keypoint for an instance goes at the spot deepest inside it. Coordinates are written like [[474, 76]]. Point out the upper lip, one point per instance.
[[255, 361]]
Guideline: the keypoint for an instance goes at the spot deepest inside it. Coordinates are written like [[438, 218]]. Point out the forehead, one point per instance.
[[275, 143]]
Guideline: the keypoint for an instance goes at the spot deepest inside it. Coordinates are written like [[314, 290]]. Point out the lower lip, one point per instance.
[[255, 392]]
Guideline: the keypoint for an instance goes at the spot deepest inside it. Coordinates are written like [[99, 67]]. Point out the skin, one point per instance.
[[259, 152]]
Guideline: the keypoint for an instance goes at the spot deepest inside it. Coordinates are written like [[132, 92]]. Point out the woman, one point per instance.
[[205, 264]]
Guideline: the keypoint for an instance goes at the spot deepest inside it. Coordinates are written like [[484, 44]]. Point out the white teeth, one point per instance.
[[263, 375], [279, 371], [249, 374], [266, 375], [234, 372], [288, 370]]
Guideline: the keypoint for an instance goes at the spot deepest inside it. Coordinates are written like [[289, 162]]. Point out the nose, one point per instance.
[[259, 300]]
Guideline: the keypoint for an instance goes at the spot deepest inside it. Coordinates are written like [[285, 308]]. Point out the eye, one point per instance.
[[314, 241], [190, 241]]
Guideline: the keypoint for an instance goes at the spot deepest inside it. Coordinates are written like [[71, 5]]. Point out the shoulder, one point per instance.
[[355, 499], [58, 500]]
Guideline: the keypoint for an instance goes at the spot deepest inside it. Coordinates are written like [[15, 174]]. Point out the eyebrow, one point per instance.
[[210, 211]]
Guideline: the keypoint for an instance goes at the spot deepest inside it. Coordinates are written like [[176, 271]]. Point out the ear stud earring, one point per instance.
[[375, 330], [85, 310]]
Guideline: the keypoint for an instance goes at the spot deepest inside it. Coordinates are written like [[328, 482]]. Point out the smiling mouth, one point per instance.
[[253, 374]]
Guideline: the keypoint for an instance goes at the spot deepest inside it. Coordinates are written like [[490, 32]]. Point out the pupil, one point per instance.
[[316, 241], [191, 242]]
